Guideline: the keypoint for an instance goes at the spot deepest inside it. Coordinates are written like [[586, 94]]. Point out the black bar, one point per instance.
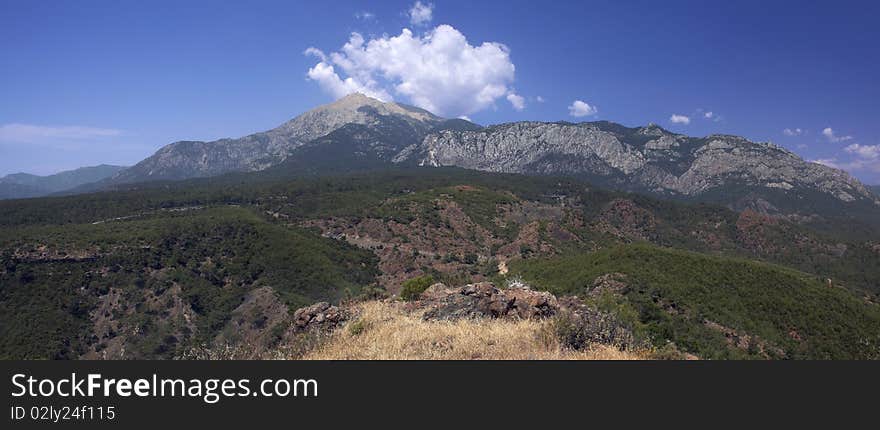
[[396, 392]]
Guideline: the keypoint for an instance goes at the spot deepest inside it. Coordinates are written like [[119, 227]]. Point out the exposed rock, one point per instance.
[[435, 244], [259, 321], [116, 335], [321, 316], [611, 283], [639, 159], [747, 342], [484, 300], [580, 325], [624, 219]]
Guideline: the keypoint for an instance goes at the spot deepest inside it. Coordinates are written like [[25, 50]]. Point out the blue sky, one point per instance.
[[92, 82]]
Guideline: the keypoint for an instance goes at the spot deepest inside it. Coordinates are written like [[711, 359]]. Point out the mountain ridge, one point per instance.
[[25, 185], [258, 151], [357, 132], [642, 159]]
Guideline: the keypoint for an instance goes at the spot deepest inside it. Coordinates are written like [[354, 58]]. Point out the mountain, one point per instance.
[[875, 189], [188, 159], [23, 185], [728, 169], [357, 132]]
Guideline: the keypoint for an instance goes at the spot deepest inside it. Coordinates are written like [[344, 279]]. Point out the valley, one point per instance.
[[194, 268]]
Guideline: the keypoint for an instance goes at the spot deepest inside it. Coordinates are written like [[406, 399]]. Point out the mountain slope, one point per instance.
[[729, 169], [717, 308], [188, 159], [153, 287], [223, 261], [22, 185]]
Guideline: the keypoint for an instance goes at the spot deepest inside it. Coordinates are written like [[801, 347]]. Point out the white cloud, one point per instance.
[[27, 133], [856, 165], [579, 108], [421, 13], [439, 71], [868, 152], [792, 132], [517, 101], [327, 78], [539, 99], [365, 15], [315, 52], [708, 115], [680, 119], [863, 158], [833, 137]]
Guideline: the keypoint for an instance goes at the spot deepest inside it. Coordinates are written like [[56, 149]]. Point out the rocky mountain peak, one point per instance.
[[187, 159], [355, 108]]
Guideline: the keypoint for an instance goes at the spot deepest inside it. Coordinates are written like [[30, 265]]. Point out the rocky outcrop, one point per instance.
[[576, 323], [609, 283], [484, 300], [319, 316], [580, 325]]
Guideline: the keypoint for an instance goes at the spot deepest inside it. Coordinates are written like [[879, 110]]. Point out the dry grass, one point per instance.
[[384, 331]]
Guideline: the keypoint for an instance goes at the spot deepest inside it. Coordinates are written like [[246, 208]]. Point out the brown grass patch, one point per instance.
[[385, 331]]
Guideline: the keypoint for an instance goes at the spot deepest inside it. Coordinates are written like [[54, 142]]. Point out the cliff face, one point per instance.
[[640, 159]]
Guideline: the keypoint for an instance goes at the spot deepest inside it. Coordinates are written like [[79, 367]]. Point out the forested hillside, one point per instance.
[[155, 271]]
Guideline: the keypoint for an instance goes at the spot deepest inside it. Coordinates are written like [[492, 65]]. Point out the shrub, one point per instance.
[[579, 330], [415, 286], [357, 327]]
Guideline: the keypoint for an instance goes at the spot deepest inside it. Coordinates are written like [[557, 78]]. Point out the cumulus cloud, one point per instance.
[[868, 152], [27, 133], [680, 119], [865, 158], [707, 115], [855, 165], [325, 75], [439, 71], [792, 132], [421, 13], [829, 133], [517, 101], [579, 108]]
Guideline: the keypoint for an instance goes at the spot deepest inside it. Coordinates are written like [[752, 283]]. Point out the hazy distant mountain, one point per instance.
[[23, 185], [875, 189]]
